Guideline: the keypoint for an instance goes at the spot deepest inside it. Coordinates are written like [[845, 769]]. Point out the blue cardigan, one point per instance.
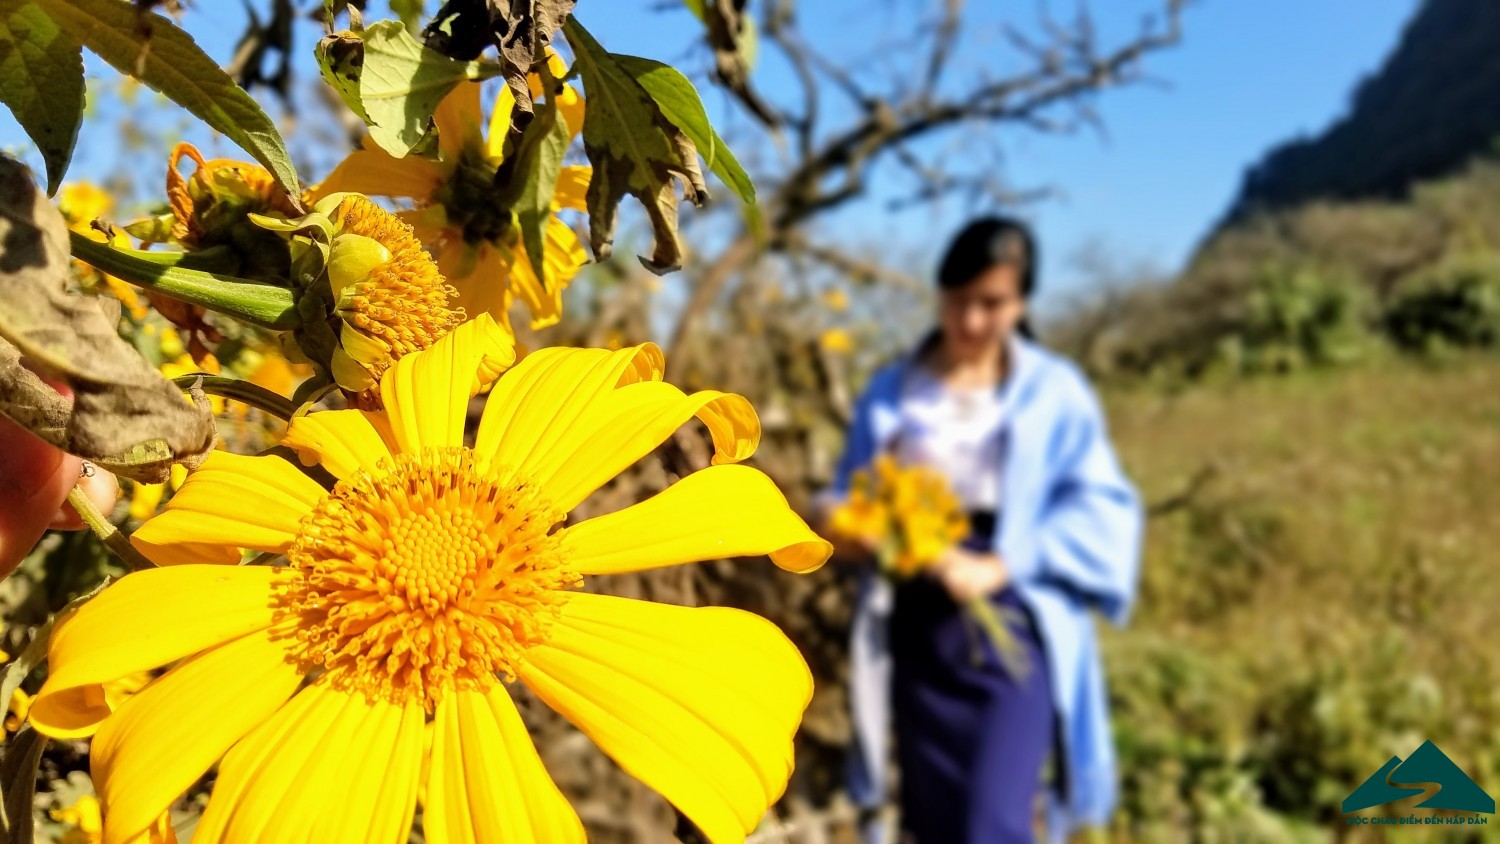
[[1070, 534]]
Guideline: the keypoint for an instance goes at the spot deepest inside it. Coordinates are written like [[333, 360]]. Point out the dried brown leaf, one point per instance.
[[123, 415]]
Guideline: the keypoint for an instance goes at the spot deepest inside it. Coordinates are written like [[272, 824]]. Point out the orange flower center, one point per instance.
[[405, 302], [434, 574]]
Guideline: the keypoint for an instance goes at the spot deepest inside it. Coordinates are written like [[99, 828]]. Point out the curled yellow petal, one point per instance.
[[721, 511]]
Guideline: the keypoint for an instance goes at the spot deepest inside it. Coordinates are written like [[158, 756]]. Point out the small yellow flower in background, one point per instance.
[[836, 300], [85, 818], [146, 499], [836, 340], [383, 294], [81, 203], [429, 572], [88, 825], [458, 214]]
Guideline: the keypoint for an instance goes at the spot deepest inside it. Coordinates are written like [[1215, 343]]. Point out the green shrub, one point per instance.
[[1456, 303], [1295, 317]]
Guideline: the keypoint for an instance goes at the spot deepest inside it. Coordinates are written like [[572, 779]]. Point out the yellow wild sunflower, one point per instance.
[[427, 577], [458, 213], [383, 297]]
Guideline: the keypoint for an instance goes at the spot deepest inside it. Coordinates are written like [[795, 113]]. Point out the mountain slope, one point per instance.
[[1433, 105]]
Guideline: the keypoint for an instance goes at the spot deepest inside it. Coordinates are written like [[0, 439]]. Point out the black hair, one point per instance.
[[990, 242]]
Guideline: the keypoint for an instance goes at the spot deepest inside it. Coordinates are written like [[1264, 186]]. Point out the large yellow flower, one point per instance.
[[427, 573], [459, 215]]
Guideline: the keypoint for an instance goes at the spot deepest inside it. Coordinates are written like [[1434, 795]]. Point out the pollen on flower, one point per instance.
[[433, 574], [405, 303]]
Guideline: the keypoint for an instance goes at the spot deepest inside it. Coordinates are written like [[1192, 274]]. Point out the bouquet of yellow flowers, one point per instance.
[[911, 517]]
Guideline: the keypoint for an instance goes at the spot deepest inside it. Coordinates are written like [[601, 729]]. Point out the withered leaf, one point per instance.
[[519, 29], [634, 150], [124, 415]]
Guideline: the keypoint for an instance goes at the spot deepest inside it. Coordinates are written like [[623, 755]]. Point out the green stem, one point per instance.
[[264, 305], [241, 390], [1006, 647], [106, 531], [215, 259]]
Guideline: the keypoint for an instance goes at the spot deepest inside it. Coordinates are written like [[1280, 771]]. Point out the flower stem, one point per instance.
[[1012, 657], [106, 531], [241, 390], [265, 305]]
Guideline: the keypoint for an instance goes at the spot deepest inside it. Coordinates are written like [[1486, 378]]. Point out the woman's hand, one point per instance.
[[968, 575]]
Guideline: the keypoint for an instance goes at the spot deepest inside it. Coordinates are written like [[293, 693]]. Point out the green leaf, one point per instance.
[[156, 51], [634, 149], [538, 160], [680, 104], [393, 82], [41, 81], [18, 767]]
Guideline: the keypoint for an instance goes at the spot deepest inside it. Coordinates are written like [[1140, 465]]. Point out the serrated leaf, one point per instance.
[[124, 415], [635, 150], [680, 104], [538, 160], [41, 81], [393, 82], [156, 51]]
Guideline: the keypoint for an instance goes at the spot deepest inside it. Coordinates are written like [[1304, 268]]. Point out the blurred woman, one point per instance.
[[1055, 536]]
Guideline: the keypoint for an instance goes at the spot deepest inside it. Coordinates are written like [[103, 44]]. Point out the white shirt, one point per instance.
[[957, 432]]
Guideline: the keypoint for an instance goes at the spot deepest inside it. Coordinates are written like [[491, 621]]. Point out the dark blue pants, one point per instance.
[[971, 740]]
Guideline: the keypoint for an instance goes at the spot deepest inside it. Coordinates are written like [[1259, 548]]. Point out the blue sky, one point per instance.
[[1247, 75]]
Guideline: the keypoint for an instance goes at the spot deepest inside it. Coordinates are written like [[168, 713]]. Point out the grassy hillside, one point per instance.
[[1319, 594]]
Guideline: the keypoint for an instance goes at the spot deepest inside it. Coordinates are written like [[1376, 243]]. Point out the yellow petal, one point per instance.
[[621, 427], [721, 511], [483, 289], [230, 502], [533, 405], [369, 812], [698, 703], [570, 105], [143, 621], [544, 303], [487, 783], [505, 103], [374, 171], [572, 188], [345, 442], [159, 742], [427, 394], [458, 118], [565, 255], [281, 781]]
